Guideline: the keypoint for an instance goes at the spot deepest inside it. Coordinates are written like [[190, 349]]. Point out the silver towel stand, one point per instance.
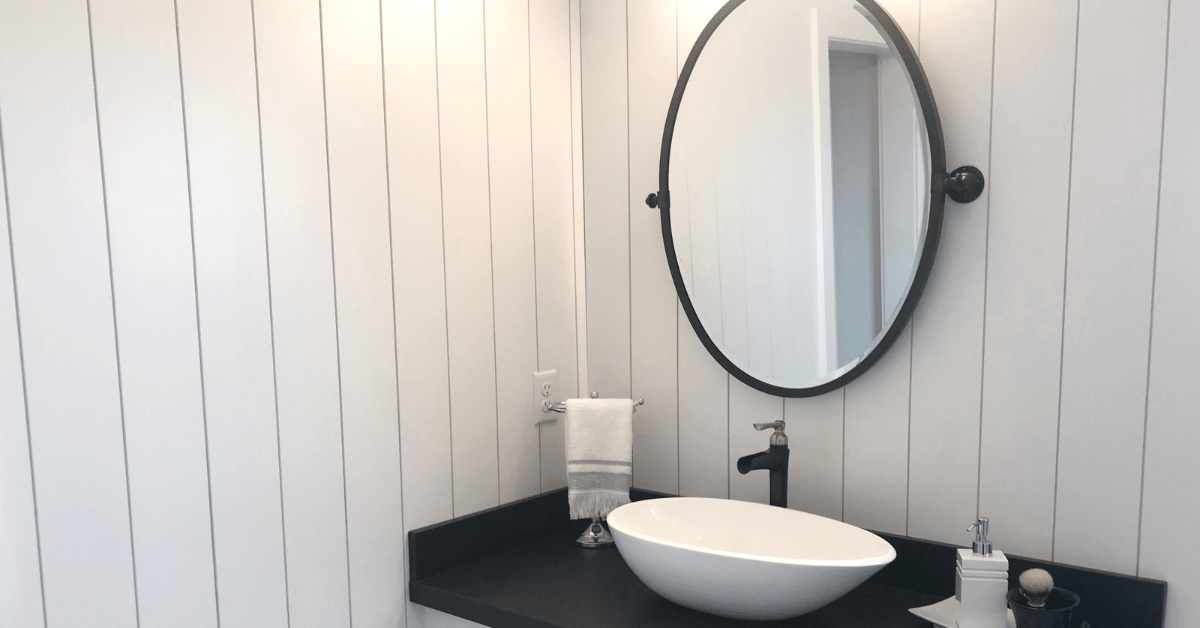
[[595, 535]]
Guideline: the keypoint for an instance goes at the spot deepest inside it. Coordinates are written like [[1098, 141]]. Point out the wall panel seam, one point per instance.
[[986, 259], [271, 315], [437, 78], [1153, 288], [387, 169], [487, 143], [628, 206], [1066, 264], [113, 300], [12, 256], [187, 160], [337, 336], [533, 210]]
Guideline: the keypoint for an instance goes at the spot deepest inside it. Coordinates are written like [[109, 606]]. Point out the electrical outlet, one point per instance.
[[543, 395]]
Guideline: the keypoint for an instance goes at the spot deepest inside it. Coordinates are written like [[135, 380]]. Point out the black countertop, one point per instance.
[[555, 582], [517, 566]]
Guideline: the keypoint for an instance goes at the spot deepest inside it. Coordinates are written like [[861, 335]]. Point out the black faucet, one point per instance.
[[774, 459]]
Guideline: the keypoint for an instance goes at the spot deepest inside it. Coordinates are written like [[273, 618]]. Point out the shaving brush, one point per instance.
[[1036, 584]]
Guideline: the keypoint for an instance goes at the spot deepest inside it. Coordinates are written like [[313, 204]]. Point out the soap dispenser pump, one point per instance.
[[981, 582]]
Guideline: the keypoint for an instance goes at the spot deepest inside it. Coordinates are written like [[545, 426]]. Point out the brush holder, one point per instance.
[[1060, 605]]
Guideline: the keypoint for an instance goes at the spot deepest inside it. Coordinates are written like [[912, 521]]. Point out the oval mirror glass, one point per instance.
[[798, 161]]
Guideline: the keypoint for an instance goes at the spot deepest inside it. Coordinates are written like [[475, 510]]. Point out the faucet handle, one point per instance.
[[777, 437]]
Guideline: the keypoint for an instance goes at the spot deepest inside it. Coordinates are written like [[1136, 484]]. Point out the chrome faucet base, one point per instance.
[[595, 535]]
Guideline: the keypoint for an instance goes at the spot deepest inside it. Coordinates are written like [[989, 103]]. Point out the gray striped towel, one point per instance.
[[599, 455]]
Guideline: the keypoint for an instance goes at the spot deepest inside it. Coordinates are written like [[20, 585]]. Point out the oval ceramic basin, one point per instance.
[[744, 560]]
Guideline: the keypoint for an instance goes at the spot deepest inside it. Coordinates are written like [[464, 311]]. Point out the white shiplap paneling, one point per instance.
[[947, 352], [1110, 259], [303, 311], [815, 428], [358, 182], [293, 305], [467, 220], [143, 144], [418, 265], [232, 291], [410, 78], [60, 254], [604, 54], [1172, 430], [21, 581], [1027, 222], [653, 317], [510, 162], [553, 206], [875, 458], [581, 359]]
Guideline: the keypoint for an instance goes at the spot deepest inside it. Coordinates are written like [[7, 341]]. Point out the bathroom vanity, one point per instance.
[[517, 566]]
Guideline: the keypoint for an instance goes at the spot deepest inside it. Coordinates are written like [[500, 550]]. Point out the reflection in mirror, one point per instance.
[[799, 188]]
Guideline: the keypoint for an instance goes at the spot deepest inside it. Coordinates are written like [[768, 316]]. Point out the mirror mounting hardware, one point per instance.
[[965, 184], [659, 200]]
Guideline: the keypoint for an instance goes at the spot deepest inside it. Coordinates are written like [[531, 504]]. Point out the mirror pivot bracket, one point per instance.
[[965, 184], [659, 199]]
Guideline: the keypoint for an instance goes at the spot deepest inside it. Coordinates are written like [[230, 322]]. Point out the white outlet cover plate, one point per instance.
[[540, 380]]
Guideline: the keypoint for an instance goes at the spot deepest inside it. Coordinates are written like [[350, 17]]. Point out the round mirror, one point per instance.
[[802, 181]]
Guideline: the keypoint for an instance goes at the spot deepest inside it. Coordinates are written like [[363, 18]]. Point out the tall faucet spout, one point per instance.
[[774, 460]]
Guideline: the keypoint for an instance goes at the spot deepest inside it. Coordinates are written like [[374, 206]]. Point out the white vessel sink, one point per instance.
[[744, 560]]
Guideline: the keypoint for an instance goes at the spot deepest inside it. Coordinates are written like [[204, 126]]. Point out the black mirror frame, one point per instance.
[[939, 180]]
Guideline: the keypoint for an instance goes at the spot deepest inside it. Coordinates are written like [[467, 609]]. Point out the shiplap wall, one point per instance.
[[274, 279], [1046, 379]]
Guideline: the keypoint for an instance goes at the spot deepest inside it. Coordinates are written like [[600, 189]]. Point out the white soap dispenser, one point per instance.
[[981, 583]]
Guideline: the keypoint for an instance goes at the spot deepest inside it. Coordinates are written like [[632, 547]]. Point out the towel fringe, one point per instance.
[[594, 504]]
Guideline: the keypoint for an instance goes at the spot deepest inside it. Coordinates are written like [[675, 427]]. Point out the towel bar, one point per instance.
[[561, 407]]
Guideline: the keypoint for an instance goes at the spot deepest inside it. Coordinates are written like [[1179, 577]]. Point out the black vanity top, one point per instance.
[[517, 566]]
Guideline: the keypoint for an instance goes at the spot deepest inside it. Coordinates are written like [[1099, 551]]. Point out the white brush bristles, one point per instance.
[[1036, 584]]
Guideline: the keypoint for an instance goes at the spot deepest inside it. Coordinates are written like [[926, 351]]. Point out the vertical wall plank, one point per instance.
[[1172, 430], [60, 255], [947, 354], [580, 234], [366, 328], [875, 458], [550, 77], [21, 579], [142, 135], [232, 290], [875, 446], [1031, 159], [302, 290], [510, 163], [815, 428], [653, 303], [418, 270], [410, 80], [1114, 187], [462, 98], [705, 463], [604, 53]]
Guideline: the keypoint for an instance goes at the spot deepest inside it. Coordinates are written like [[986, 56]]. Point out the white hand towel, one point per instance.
[[599, 435]]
